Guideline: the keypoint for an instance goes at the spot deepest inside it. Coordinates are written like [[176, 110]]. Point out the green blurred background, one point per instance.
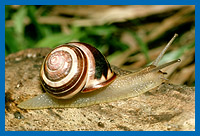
[[129, 36]]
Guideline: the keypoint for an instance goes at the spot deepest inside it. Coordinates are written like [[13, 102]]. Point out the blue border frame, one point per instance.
[[89, 2], [100, 2]]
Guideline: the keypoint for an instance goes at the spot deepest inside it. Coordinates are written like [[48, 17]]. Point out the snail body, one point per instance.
[[99, 83]]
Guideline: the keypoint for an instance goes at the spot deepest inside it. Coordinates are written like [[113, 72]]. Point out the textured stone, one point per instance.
[[166, 108]]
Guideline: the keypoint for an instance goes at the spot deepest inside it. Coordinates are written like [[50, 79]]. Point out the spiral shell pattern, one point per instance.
[[74, 67]]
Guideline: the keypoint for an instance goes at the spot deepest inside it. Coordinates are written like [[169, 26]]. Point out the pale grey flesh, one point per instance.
[[123, 87]]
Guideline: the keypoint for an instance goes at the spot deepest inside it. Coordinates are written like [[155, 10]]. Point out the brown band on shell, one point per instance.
[[101, 64], [102, 74], [72, 85], [57, 70]]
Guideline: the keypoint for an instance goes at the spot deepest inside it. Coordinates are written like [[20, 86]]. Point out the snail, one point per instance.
[[77, 75]]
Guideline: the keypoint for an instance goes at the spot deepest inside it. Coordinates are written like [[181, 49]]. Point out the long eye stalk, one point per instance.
[[165, 65], [157, 60]]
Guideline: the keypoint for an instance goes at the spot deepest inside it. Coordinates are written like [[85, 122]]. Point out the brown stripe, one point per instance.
[[57, 75], [101, 65], [61, 91], [80, 58]]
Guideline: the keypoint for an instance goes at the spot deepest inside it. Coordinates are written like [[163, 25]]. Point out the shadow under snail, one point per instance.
[[78, 75]]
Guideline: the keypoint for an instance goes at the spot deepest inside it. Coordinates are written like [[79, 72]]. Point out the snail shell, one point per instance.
[[74, 67], [95, 74]]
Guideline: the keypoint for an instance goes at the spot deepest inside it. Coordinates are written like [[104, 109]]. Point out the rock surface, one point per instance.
[[166, 108]]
